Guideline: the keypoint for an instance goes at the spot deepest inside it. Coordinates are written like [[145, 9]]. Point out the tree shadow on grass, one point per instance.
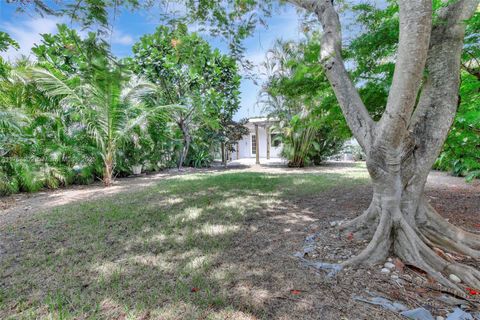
[[196, 246]]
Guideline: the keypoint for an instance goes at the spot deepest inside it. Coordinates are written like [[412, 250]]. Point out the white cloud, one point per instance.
[[118, 37], [27, 33]]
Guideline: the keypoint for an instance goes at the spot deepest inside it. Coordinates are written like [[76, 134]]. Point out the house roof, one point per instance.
[[261, 121], [257, 119]]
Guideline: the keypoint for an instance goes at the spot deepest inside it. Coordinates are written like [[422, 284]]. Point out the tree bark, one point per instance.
[[403, 145], [267, 129], [257, 147], [186, 143], [108, 169], [222, 147]]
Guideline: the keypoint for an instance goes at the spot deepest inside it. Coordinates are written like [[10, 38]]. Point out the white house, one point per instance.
[[261, 143]]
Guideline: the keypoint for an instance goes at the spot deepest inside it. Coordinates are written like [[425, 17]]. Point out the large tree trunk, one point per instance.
[[402, 147]]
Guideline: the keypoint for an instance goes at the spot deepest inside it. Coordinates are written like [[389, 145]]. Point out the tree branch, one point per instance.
[[415, 29], [438, 101], [347, 95]]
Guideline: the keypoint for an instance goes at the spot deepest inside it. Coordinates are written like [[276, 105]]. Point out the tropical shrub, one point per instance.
[[461, 152], [78, 114]]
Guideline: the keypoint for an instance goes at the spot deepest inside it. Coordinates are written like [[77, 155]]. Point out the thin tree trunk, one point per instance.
[[184, 153], [186, 143], [226, 147], [222, 147], [108, 170]]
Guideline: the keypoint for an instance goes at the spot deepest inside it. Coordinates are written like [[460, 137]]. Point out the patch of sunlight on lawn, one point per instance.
[[156, 261], [189, 214], [217, 229], [192, 177], [197, 263], [107, 269]]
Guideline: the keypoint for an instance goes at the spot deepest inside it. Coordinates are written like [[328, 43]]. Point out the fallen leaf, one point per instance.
[[431, 280], [442, 254], [350, 236], [420, 290], [472, 292], [295, 292], [194, 289], [399, 265]]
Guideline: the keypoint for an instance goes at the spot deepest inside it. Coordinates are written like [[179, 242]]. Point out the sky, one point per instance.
[[128, 27]]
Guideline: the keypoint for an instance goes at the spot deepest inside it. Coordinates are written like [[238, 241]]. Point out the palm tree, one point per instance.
[[294, 124], [109, 102]]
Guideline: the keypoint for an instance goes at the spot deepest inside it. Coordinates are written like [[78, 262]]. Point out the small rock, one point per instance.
[[454, 278], [333, 223], [459, 314], [394, 277], [385, 270], [333, 200], [389, 265], [418, 314], [389, 259], [439, 318]]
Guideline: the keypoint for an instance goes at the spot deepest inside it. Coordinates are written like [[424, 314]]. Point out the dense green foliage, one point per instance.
[[78, 114], [203, 82], [461, 152]]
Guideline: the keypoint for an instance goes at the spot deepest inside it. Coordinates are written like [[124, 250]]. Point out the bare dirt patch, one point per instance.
[[276, 235]]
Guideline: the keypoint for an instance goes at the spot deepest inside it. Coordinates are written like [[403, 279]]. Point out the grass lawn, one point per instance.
[[164, 252]]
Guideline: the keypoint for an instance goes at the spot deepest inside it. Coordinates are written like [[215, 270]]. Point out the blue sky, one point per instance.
[[128, 27]]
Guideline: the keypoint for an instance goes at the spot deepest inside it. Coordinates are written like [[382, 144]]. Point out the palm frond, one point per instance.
[[137, 89], [55, 87]]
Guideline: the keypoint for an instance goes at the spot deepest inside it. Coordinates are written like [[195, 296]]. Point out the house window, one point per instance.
[[275, 139], [254, 144]]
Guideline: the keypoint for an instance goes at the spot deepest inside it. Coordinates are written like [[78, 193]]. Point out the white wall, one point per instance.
[[245, 146]]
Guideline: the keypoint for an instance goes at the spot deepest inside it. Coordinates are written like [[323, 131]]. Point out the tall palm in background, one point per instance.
[[109, 103], [293, 114]]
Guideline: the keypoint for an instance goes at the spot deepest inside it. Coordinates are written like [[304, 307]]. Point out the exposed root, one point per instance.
[[414, 242], [378, 248], [468, 274], [363, 226], [446, 235], [409, 247]]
